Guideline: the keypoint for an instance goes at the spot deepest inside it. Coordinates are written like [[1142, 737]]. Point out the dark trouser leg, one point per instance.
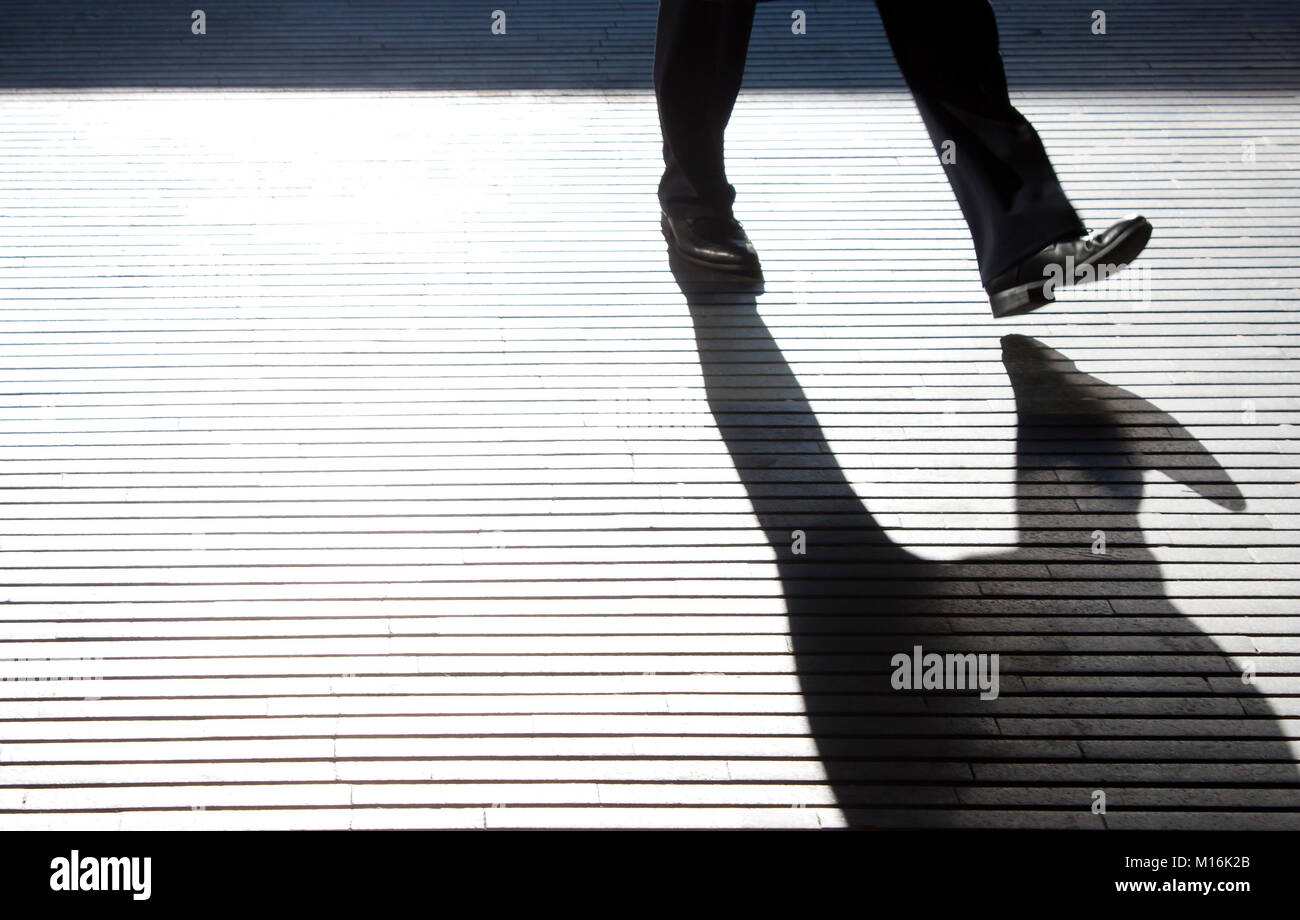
[[1003, 180], [699, 61]]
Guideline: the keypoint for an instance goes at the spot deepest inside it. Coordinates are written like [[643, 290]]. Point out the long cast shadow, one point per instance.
[[1105, 685]]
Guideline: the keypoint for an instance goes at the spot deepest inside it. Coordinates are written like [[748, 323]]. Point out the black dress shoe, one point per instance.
[[715, 242], [1033, 282]]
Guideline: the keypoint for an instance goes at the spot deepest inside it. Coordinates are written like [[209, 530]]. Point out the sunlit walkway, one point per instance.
[[358, 454]]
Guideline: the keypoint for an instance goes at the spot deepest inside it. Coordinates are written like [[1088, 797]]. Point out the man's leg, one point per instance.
[[1002, 178], [700, 52]]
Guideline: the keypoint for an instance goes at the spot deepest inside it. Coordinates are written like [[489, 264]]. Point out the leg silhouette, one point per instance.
[[1105, 685]]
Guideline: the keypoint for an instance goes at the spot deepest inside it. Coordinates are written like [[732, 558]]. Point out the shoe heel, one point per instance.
[[1020, 299]]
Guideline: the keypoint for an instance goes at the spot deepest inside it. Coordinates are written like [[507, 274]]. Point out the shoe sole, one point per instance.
[[740, 272], [1122, 250]]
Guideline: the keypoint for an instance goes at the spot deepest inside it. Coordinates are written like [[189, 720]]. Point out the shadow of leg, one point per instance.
[[1105, 684], [853, 596]]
